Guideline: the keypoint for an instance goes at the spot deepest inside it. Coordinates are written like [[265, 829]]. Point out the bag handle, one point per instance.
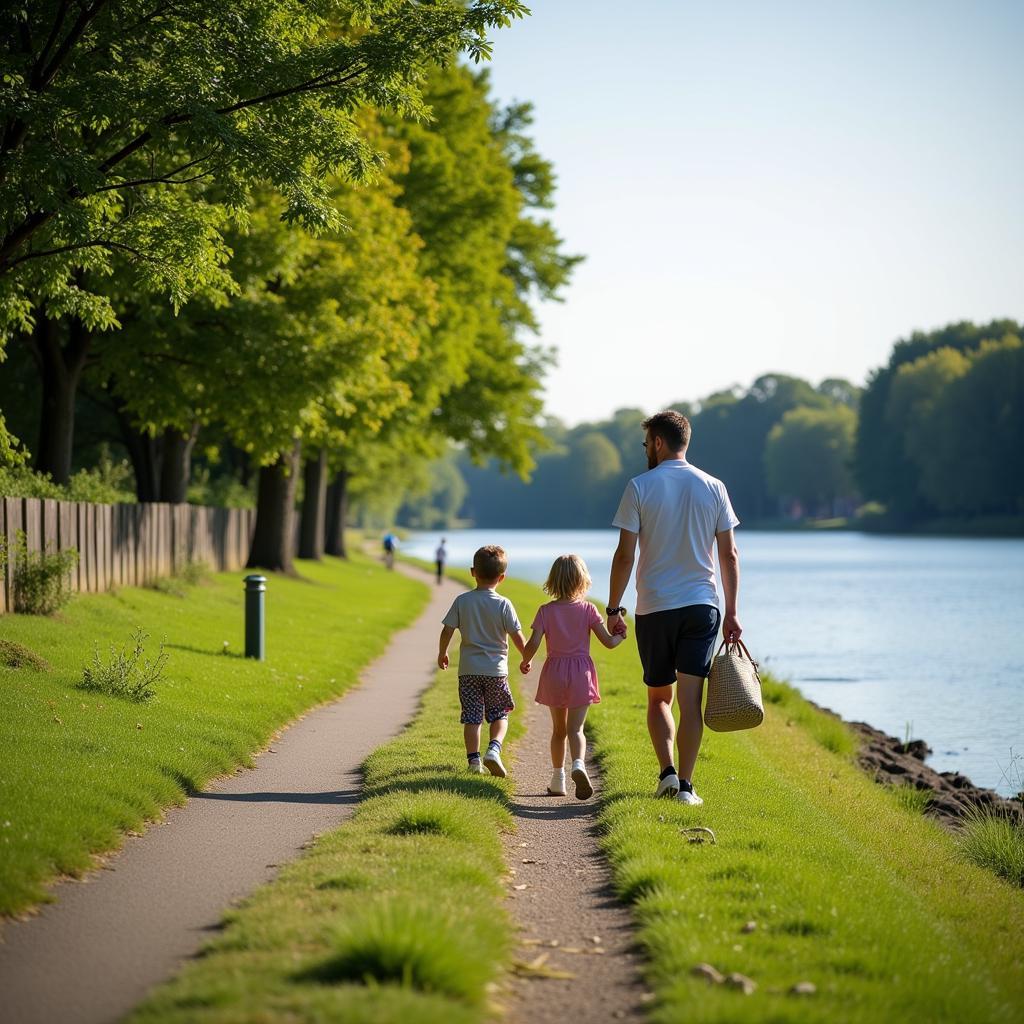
[[736, 643]]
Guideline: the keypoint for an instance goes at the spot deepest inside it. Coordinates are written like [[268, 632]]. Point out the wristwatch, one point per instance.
[[615, 611]]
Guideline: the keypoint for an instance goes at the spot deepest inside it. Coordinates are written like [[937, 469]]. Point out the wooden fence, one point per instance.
[[124, 545]]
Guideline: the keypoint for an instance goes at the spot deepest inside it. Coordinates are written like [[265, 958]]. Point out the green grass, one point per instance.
[[995, 843], [395, 916], [80, 769], [876, 906]]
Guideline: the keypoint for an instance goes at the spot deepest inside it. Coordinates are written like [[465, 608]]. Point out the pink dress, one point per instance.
[[568, 678]]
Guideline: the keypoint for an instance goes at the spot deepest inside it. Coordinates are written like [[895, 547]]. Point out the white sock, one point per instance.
[[578, 763]]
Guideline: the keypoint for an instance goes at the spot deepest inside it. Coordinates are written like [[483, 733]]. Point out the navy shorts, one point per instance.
[[677, 640]]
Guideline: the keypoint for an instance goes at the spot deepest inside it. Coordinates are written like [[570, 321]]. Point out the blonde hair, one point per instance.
[[569, 579]]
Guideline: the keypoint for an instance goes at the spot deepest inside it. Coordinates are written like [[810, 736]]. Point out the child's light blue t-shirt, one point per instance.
[[484, 619]]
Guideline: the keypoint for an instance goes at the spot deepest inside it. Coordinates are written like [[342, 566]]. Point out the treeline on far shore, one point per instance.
[[934, 440]]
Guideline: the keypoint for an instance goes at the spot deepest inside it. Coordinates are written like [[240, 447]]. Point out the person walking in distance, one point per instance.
[[441, 560], [677, 514]]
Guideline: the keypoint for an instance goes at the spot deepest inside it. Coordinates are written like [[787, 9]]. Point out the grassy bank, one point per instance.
[[396, 915], [843, 886], [81, 768]]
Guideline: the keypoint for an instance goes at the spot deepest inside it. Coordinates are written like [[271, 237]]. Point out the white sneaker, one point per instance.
[[556, 787], [668, 786], [492, 762], [688, 796], [475, 767], [584, 788]]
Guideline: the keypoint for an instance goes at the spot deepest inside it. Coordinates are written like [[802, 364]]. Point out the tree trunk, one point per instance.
[[176, 469], [144, 452], [61, 369], [311, 529], [273, 540], [337, 515]]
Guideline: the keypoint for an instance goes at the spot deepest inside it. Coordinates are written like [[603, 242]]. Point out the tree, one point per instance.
[[883, 469], [730, 432], [115, 113], [807, 456]]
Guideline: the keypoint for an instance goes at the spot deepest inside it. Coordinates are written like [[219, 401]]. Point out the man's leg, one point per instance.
[[691, 724], [660, 723]]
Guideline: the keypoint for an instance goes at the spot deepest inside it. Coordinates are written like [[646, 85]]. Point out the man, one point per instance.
[[440, 560], [678, 514]]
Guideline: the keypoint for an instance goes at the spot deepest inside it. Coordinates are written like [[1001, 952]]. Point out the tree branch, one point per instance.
[[84, 20]]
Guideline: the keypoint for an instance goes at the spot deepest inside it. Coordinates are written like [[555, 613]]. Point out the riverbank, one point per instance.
[[951, 796]]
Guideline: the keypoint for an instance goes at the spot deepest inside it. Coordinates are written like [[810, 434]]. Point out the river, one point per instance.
[[911, 634]]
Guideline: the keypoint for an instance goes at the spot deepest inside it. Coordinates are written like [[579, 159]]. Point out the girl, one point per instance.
[[568, 680]]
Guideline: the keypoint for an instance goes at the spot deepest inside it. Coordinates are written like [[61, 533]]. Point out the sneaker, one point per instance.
[[668, 786], [584, 788], [492, 762], [475, 767], [687, 795], [556, 787]]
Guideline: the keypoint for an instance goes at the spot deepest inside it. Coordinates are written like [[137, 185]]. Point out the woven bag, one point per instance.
[[734, 690]]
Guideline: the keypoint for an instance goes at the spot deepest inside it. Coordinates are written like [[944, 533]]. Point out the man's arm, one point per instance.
[[447, 632], [622, 569], [729, 560]]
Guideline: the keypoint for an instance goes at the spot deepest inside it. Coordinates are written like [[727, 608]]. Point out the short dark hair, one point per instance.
[[671, 426], [489, 562]]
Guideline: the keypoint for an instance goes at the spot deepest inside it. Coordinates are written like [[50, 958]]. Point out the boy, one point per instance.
[[486, 620]]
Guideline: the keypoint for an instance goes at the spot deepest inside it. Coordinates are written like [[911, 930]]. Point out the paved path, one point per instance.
[[92, 955], [560, 896]]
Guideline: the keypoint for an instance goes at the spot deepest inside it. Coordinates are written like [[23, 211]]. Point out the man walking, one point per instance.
[[440, 560], [678, 514]]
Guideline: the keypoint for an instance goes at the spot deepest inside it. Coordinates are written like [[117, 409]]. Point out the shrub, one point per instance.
[[131, 676], [108, 482], [189, 575], [15, 655], [41, 583], [994, 842]]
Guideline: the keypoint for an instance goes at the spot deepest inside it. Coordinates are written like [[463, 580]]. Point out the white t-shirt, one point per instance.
[[485, 619], [676, 509]]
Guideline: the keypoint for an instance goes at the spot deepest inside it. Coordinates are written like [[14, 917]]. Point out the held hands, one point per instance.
[[617, 626], [442, 661], [525, 667]]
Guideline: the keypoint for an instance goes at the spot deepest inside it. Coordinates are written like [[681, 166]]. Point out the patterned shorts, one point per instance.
[[484, 697]]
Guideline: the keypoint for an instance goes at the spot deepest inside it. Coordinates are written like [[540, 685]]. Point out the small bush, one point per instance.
[[189, 575], [13, 655], [41, 583], [994, 842], [131, 676]]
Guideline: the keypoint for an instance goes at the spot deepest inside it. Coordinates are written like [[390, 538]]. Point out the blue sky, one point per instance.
[[769, 186]]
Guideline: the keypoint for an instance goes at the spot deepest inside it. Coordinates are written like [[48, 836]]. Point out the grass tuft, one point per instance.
[[912, 799], [129, 676], [994, 842], [15, 655], [407, 944]]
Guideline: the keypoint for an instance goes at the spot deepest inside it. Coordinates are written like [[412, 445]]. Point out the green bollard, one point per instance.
[[255, 588]]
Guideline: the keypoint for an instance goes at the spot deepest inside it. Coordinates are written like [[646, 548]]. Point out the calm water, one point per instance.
[[889, 630]]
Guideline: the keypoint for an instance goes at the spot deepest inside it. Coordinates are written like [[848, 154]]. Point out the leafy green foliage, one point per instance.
[[892, 433], [41, 578], [129, 675], [807, 456]]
